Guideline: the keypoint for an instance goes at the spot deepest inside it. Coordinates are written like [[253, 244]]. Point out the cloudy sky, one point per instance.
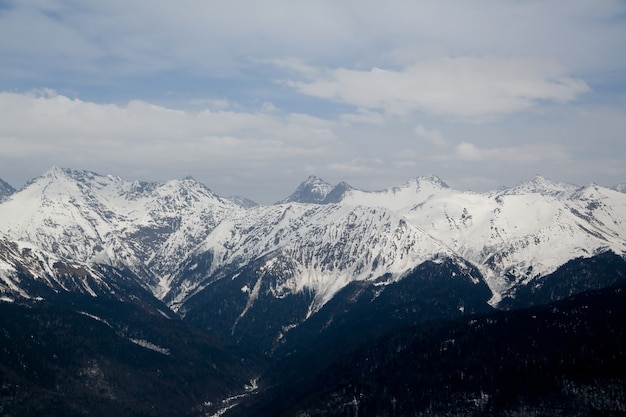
[[251, 97]]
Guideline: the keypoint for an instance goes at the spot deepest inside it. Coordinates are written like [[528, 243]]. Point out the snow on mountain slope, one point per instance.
[[543, 186], [515, 234], [23, 267], [317, 191], [397, 198], [55, 213], [87, 217], [313, 190], [321, 248]]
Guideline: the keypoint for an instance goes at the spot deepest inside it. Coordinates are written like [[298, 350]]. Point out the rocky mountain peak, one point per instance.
[[432, 180], [312, 190]]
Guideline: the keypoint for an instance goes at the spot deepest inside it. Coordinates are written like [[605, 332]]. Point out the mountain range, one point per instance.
[[331, 264]]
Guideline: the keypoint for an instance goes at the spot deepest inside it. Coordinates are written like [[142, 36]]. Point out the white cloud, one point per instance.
[[52, 129], [120, 37], [433, 136], [60, 118], [364, 116], [472, 88], [356, 166], [518, 154]]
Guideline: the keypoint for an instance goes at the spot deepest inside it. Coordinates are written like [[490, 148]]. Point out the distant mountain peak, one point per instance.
[[79, 176], [313, 179], [188, 182], [421, 183], [337, 193], [542, 185], [312, 190], [315, 190], [316, 183], [431, 179], [55, 172]]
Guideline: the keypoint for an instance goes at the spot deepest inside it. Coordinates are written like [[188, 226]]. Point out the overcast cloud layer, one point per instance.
[[252, 97]]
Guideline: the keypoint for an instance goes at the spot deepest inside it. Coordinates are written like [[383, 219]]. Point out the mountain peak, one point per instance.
[[431, 179], [420, 183], [56, 181], [312, 190], [190, 182], [56, 172], [544, 186], [314, 179], [317, 191], [80, 176], [337, 193]]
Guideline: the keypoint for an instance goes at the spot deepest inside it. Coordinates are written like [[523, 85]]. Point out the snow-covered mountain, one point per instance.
[[178, 237], [85, 217], [317, 191], [22, 266], [513, 235], [313, 190], [318, 248]]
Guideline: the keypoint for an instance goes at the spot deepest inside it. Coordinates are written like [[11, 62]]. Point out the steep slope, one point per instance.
[[26, 272], [317, 191], [577, 275], [86, 217], [330, 245], [313, 248], [281, 271], [513, 235], [30, 275], [313, 190]]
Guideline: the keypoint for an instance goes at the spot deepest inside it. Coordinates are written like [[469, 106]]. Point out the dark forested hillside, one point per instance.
[[99, 357], [577, 275], [567, 358]]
